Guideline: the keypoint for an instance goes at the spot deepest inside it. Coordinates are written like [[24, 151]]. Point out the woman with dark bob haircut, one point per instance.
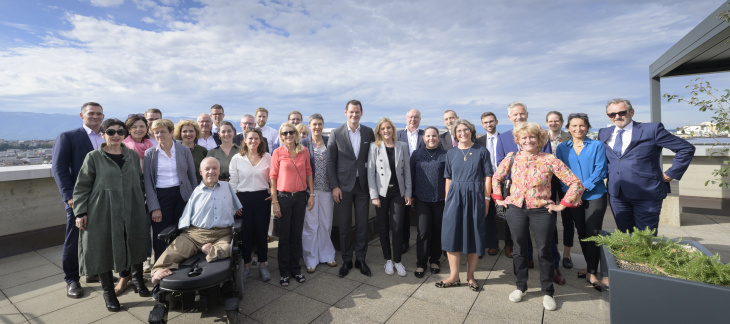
[[109, 205]]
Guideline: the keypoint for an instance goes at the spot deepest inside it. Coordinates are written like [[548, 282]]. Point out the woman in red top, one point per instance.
[[291, 176], [529, 205]]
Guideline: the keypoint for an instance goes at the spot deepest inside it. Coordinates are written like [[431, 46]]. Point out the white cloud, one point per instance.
[[106, 3], [468, 55]]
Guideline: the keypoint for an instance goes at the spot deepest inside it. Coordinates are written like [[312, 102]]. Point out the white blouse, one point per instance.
[[166, 169], [246, 177]]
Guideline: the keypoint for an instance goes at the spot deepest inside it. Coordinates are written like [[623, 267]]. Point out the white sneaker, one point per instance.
[[389, 267], [401, 269], [549, 303], [516, 296]]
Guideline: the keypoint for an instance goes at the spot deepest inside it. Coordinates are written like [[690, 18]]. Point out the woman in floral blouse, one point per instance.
[[529, 205]]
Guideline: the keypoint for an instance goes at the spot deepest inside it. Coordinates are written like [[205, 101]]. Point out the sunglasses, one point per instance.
[[111, 132], [135, 115], [287, 133], [620, 113]]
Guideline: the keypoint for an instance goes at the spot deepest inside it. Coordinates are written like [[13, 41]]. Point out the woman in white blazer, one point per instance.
[[389, 182]]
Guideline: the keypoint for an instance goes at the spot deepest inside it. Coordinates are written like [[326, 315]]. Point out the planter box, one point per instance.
[[636, 297]]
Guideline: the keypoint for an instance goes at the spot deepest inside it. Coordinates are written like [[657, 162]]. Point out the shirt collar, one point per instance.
[[628, 127], [89, 131], [216, 186], [357, 130], [413, 132], [172, 150], [586, 141]]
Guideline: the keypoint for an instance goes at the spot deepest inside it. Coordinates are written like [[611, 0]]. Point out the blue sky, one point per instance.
[[314, 56]]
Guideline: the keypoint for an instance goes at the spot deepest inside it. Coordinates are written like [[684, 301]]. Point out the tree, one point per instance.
[[705, 97]]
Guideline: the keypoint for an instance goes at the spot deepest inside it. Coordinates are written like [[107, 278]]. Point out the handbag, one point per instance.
[[501, 210]]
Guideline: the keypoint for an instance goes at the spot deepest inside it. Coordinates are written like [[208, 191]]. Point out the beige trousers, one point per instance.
[[190, 242]]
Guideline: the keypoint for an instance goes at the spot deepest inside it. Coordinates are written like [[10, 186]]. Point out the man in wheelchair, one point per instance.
[[207, 226]]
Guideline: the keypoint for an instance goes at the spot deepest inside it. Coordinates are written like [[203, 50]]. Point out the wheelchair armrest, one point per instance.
[[168, 232], [237, 225]]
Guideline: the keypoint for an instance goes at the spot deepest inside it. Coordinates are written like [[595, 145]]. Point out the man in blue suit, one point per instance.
[[636, 183], [413, 136], [69, 151]]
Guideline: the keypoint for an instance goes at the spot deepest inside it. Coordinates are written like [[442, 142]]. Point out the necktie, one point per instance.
[[619, 142]]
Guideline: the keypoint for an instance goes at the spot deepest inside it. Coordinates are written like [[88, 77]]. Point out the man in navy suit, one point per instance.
[[247, 121], [447, 139], [489, 122], [413, 136], [636, 183], [69, 152], [347, 155]]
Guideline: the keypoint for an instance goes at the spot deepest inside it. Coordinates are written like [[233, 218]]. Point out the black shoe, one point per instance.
[[435, 270], [92, 279], [110, 298], [418, 274], [73, 290], [345, 269], [530, 264], [364, 269], [138, 281], [567, 263]]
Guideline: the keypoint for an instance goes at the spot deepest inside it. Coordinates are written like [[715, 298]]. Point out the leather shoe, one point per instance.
[[558, 277], [530, 264], [492, 251], [567, 263], [508, 251], [74, 290], [364, 269], [345, 269], [92, 279]]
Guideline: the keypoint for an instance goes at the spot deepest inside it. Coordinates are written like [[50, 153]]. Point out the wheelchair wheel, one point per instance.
[[239, 280]]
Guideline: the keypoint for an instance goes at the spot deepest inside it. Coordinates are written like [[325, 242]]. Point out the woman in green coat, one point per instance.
[[110, 212]]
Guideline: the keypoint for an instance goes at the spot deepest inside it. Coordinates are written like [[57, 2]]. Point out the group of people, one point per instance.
[[117, 179]]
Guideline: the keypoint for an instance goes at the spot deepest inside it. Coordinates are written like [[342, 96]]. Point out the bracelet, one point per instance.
[[487, 198], [275, 202]]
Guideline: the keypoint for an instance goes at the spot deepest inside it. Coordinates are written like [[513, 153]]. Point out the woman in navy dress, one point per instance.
[[468, 174]]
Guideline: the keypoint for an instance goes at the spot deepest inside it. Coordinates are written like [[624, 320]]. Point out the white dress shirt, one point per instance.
[[95, 138], [246, 177], [355, 141], [492, 148], [272, 137], [412, 140], [214, 129], [166, 169], [209, 143], [626, 138]]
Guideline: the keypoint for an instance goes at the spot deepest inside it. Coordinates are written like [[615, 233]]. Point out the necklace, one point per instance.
[[429, 153], [468, 151]]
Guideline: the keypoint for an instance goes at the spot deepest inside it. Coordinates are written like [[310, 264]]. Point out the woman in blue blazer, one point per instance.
[[389, 183], [587, 159]]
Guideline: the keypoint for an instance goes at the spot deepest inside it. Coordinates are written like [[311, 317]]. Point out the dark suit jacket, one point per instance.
[[238, 139], [402, 136], [506, 144], [342, 166], [69, 151], [638, 172], [445, 140], [307, 142], [216, 138]]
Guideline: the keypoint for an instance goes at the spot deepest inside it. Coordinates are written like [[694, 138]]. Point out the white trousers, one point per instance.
[[316, 242]]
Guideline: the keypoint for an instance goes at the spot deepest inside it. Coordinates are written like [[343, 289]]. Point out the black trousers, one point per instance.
[[568, 225], [588, 219], [390, 220], [406, 224], [70, 257], [172, 206], [291, 225], [491, 235], [256, 217], [359, 200], [541, 223], [430, 216]]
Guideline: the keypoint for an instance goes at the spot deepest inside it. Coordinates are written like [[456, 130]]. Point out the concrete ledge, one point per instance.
[[670, 214], [25, 172]]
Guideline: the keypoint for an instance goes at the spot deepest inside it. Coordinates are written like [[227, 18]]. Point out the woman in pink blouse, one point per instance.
[[529, 205], [137, 140], [291, 176]]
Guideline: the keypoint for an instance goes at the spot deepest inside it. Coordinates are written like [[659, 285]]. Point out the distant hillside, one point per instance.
[[38, 126]]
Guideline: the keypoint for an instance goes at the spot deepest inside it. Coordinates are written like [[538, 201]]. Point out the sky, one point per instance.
[[313, 56]]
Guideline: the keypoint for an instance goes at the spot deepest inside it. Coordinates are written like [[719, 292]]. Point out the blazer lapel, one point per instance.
[[346, 138], [635, 136], [85, 139]]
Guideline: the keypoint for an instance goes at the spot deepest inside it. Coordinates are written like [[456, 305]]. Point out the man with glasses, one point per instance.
[[151, 115], [69, 152], [207, 138], [413, 136], [217, 114], [247, 121], [636, 183], [489, 122]]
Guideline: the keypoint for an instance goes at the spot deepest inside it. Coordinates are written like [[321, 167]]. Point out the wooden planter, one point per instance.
[[636, 297]]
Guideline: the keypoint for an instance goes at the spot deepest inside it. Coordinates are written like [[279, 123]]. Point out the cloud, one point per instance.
[[106, 3], [471, 56]]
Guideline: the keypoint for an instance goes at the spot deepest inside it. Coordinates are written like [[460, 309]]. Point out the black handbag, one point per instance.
[[501, 210]]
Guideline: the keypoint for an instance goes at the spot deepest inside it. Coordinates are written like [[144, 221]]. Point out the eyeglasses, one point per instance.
[[620, 113], [287, 133], [135, 115], [111, 132]]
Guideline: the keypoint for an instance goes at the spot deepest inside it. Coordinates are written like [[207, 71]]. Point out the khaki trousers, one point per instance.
[[190, 243]]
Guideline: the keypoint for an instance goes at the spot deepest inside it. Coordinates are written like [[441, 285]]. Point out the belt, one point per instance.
[[290, 194]]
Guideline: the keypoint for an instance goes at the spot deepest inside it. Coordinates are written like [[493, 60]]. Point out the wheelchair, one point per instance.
[[196, 280]]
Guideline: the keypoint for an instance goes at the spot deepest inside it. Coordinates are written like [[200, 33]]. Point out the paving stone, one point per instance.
[[50, 302], [4, 301], [337, 315], [29, 275], [35, 288], [418, 311], [259, 294], [327, 288], [290, 308], [53, 254], [458, 298], [141, 310], [22, 262], [87, 310], [121, 318], [395, 283], [11, 315], [376, 304]]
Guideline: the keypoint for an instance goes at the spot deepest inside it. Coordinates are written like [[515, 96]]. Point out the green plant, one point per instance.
[[705, 97], [665, 255]]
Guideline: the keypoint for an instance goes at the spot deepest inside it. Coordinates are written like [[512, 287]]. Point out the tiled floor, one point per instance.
[[32, 290]]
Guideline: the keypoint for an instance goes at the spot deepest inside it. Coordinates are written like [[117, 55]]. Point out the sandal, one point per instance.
[[284, 281], [582, 274], [473, 285], [442, 284], [597, 285], [300, 278], [122, 285]]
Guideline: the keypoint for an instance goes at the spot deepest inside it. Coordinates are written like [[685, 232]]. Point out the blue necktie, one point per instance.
[[619, 142]]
